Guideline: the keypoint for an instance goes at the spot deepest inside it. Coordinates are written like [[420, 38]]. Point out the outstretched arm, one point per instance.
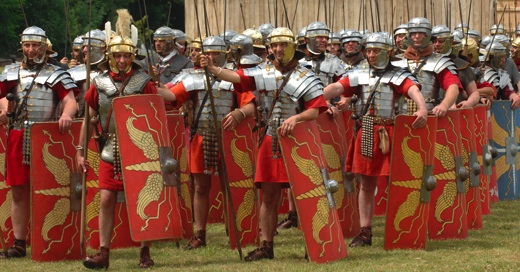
[[219, 72]]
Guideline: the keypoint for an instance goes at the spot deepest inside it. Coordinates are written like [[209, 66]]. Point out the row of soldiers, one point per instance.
[[279, 78]]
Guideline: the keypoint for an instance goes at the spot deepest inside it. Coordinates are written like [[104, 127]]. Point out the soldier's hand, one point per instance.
[[422, 117], [440, 110], [80, 161], [3, 117], [155, 71], [73, 63], [64, 123], [464, 104], [515, 101], [333, 110], [204, 61], [288, 125]]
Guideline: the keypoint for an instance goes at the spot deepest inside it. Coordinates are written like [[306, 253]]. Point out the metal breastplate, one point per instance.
[[224, 102], [429, 86], [42, 101], [384, 99], [284, 108], [173, 67], [107, 90]]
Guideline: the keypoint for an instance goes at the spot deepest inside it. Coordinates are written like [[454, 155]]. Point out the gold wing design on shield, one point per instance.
[[242, 159], [5, 210], [445, 200], [320, 219], [143, 140], [55, 217], [151, 192], [407, 209], [307, 167], [93, 208], [57, 167], [412, 159], [245, 208]]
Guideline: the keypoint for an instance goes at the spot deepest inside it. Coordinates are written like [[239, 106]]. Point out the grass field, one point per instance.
[[496, 247]]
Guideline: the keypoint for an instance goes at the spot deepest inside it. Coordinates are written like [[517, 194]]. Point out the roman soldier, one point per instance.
[[297, 98], [122, 77], [33, 89], [191, 88], [378, 86], [170, 61]]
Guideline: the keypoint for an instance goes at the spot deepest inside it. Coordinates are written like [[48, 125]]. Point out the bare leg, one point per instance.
[[366, 210], [366, 200], [268, 217], [202, 184], [106, 216], [106, 224], [292, 217], [20, 210], [268, 210]]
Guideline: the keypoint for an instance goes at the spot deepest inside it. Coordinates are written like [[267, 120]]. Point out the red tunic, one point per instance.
[[269, 169], [196, 150], [379, 164], [106, 170], [17, 172]]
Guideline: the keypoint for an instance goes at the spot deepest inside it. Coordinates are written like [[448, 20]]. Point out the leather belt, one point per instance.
[[383, 121]]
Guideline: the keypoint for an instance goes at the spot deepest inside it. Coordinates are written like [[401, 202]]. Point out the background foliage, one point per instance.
[[63, 20]]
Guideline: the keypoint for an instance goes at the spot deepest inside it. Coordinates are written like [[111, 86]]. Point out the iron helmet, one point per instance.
[[242, 50]]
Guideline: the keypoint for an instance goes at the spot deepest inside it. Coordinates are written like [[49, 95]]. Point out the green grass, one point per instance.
[[494, 248]]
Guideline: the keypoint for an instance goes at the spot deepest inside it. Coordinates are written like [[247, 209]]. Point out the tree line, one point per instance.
[[64, 20]]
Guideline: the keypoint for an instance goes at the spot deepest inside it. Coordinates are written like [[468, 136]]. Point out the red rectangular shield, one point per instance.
[[55, 219], [410, 173], [216, 202], [448, 218], [144, 143], [6, 197], [468, 132], [484, 155], [308, 177], [239, 152], [335, 146], [179, 143]]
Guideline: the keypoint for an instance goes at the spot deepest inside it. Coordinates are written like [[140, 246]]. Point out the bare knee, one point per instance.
[[202, 184], [368, 183], [20, 193], [108, 200], [271, 194]]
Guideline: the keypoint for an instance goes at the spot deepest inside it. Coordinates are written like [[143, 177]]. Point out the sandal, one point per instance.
[[197, 241], [16, 252], [264, 252], [363, 239], [144, 258]]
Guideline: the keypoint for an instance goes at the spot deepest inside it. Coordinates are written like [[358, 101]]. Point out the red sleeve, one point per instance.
[[244, 98], [317, 102], [247, 82], [446, 78], [180, 93], [92, 97], [404, 87], [62, 92], [150, 88], [5, 86], [348, 91], [506, 94]]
